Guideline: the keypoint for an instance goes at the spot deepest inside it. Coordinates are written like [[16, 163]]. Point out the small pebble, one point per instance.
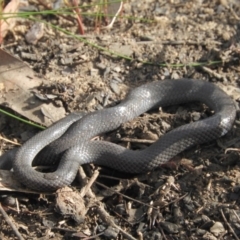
[[114, 87], [35, 33], [196, 116], [170, 227], [111, 232], [217, 228], [9, 201]]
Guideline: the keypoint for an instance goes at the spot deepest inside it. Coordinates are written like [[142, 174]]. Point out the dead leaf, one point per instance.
[[17, 85], [9, 23]]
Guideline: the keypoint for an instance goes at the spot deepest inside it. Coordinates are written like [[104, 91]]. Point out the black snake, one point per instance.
[[70, 137]]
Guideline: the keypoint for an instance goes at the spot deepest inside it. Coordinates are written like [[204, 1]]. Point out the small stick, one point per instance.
[[135, 140], [9, 221], [230, 228], [211, 72], [90, 183], [125, 196], [109, 26], [107, 219], [83, 180], [232, 149], [236, 216], [79, 20], [162, 232], [9, 141], [234, 14]]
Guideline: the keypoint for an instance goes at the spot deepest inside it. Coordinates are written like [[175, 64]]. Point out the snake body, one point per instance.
[[70, 137]]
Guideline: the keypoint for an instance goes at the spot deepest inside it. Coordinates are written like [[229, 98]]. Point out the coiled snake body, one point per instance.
[[71, 135]]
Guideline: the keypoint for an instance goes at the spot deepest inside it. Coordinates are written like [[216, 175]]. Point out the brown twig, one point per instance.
[[230, 228], [135, 140], [83, 180], [107, 219], [125, 196], [87, 187], [234, 14], [162, 232], [1, 10], [236, 216], [79, 19], [109, 26], [175, 43], [11, 224], [232, 149], [101, 211], [213, 73], [9, 141]]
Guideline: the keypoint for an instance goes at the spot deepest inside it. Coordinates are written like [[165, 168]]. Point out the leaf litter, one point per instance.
[[196, 195]]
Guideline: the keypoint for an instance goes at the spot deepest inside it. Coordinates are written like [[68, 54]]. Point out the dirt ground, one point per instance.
[[196, 195]]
